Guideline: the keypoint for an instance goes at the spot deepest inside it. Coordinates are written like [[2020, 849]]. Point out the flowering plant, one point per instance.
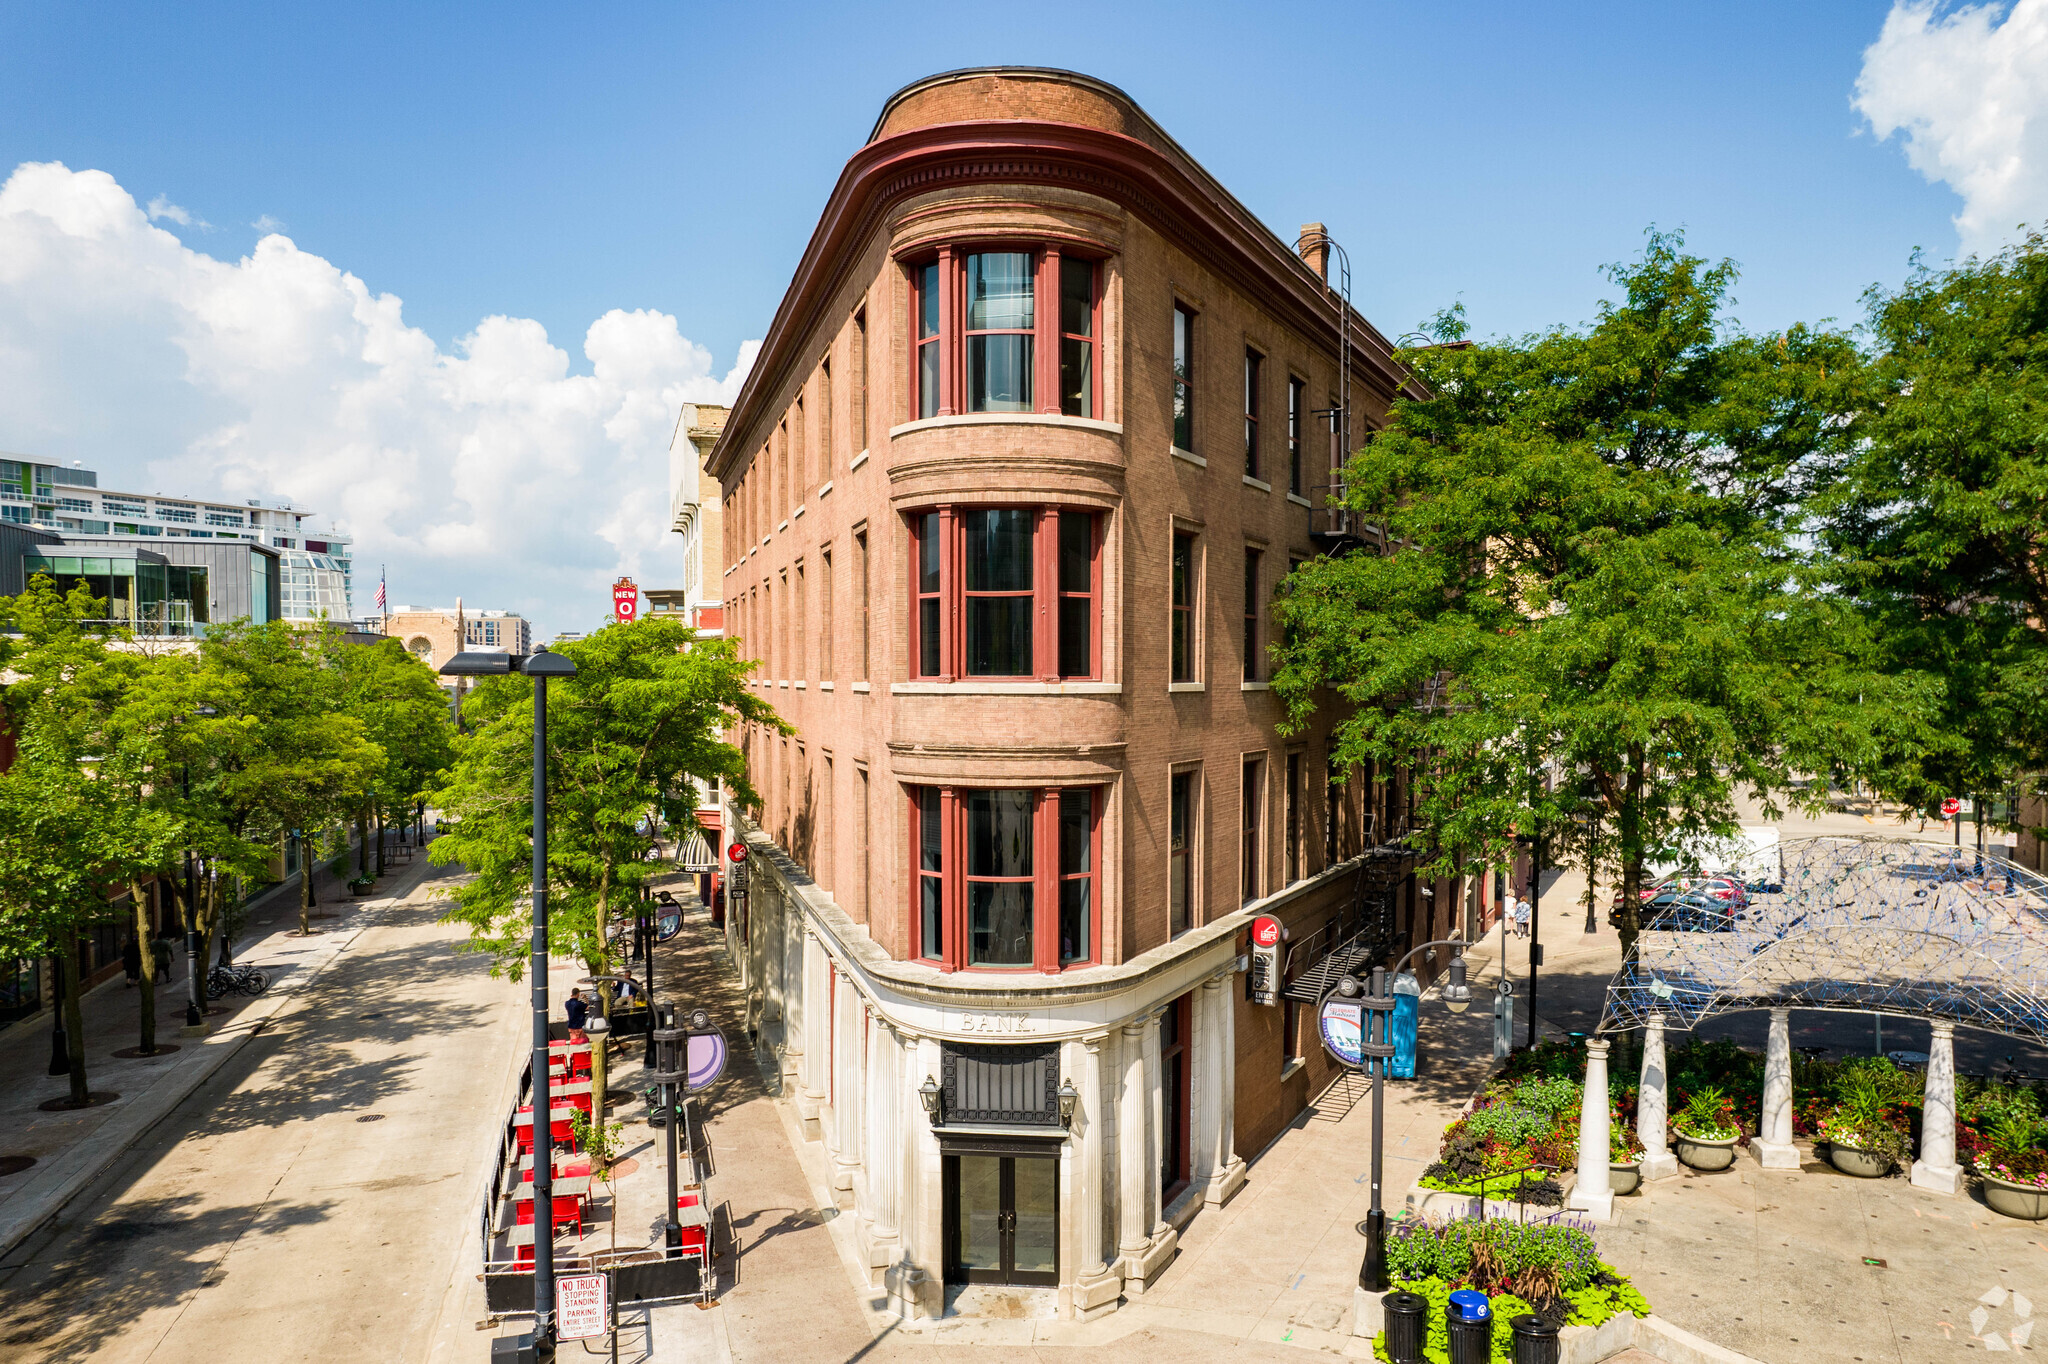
[[1708, 1115]]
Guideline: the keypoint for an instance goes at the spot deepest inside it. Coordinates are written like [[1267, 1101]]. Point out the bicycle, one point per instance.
[[226, 980]]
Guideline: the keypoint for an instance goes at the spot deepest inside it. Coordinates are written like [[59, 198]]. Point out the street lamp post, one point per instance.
[[195, 1005], [541, 666], [1377, 1048]]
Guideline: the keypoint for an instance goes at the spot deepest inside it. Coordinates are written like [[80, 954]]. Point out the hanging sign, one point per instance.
[[1342, 1023], [737, 852], [580, 1307], [703, 1059], [1265, 963], [625, 601]]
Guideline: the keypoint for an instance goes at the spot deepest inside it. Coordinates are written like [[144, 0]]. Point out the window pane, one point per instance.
[[1077, 377], [1183, 364], [930, 842], [1077, 296], [998, 550], [1077, 820], [928, 301], [999, 923], [933, 943], [999, 291], [1076, 932], [999, 373], [928, 380], [1182, 812], [981, 1212], [928, 552], [1077, 552], [1036, 1216], [1076, 647], [999, 636], [1183, 569], [928, 637], [1183, 648], [999, 833]]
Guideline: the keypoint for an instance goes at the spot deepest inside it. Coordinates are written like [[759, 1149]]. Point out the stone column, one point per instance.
[[1773, 1146], [1100, 1283], [913, 1282], [1134, 1167], [884, 1146], [1205, 1116], [794, 1008], [1937, 1169], [1226, 1172], [1653, 1105], [1594, 1192], [846, 1051], [817, 1032]]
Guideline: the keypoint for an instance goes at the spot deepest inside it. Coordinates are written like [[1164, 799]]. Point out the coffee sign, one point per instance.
[[1265, 963]]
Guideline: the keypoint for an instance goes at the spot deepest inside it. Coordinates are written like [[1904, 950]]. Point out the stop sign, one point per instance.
[[625, 601], [1265, 930], [1951, 807]]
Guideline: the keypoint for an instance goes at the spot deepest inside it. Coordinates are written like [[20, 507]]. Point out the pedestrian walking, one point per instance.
[[131, 959], [578, 1009], [161, 950], [1521, 911]]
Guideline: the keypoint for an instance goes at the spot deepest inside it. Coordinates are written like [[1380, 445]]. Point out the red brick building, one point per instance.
[[1039, 427]]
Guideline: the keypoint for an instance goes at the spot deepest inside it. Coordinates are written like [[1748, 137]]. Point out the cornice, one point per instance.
[[1177, 199]]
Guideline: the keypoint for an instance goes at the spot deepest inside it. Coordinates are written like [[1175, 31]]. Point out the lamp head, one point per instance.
[[1068, 1097], [928, 1095], [1457, 994]]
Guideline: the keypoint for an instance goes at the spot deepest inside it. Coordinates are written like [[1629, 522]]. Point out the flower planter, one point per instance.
[[1861, 1164], [1702, 1153], [1625, 1179], [2027, 1202]]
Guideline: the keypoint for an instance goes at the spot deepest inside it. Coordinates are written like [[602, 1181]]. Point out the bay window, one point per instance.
[[1021, 895], [1005, 592], [1010, 330]]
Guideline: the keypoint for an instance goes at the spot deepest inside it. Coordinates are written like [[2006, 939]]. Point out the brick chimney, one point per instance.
[[1314, 246]]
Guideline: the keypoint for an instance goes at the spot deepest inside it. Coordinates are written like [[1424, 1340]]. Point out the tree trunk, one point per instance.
[[305, 889], [380, 844], [205, 906], [74, 1023], [142, 935], [362, 843], [1630, 917], [600, 1068], [1592, 870]]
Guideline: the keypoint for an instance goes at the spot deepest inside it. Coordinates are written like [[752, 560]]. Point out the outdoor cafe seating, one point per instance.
[[564, 1165], [559, 1129], [568, 1196]]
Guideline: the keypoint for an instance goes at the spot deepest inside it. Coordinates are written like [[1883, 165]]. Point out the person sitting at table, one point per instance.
[[578, 1010], [628, 992]]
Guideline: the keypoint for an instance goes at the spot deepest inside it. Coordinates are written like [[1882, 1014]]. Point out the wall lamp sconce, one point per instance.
[[1068, 1097], [928, 1095]]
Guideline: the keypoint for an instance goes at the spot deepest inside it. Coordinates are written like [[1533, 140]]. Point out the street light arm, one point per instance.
[[1458, 943]]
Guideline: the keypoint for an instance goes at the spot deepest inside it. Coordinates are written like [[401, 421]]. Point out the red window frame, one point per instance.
[[942, 609], [1046, 879], [937, 286]]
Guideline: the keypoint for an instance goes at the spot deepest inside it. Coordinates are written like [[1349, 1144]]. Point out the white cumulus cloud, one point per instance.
[[162, 208], [1967, 88], [491, 470]]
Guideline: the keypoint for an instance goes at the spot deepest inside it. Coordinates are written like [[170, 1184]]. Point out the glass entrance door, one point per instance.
[[1002, 1219]]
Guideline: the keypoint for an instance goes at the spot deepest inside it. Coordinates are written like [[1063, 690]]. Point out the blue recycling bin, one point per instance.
[[1469, 1304], [1407, 991], [1468, 1322]]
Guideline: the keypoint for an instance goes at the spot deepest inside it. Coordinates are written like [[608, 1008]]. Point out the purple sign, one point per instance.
[[703, 1059]]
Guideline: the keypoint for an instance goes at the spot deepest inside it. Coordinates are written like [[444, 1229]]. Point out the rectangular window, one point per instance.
[[858, 417], [825, 614], [1077, 591], [1184, 377], [999, 880], [822, 866], [1296, 400], [997, 548], [927, 594], [931, 824], [799, 640], [860, 586], [1183, 628], [1175, 1096], [927, 340], [1291, 830], [999, 331], [1077, 874], [1077, 337], [1251, 848], [799, 458], [825, 421], [860, 778], [1251, 414], [1180, 871], [1251, 615]]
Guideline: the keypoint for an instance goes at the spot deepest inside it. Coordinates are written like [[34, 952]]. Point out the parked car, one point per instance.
[[1683, 911], [1726, 888]]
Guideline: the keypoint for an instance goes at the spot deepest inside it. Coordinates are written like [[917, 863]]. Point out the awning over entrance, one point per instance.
[[697, 853], [1857, 924]]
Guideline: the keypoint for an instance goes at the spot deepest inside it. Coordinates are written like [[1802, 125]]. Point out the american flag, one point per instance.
[[382, 600]]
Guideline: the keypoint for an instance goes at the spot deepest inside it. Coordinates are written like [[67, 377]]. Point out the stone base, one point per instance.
[[194, 1030], [1097, 1296], [1597, 1206], [1368, 1313], [879, 1251], [1663, 1166], [1226, 1183], [1937, 1178], [808, 1109], [1775, 1155], [1590, 1344], [913, 1294], [1141, 1267]]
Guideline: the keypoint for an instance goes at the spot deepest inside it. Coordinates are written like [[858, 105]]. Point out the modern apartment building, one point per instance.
[[314, 569], [1039, 428]]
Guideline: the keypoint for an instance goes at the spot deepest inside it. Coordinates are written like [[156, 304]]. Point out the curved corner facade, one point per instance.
[[1038, 429]]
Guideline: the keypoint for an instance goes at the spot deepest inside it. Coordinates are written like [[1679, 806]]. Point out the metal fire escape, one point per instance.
[[1331, 523]]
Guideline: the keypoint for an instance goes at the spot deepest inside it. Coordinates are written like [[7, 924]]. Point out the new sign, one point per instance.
[[1265, 966], [625, 601]]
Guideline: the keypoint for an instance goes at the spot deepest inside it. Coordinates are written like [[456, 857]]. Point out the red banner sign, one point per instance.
[[625, 601]]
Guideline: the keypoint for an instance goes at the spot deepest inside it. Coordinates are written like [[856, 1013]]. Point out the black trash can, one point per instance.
[[1468, 1319], [1535, 1340], [1407, 1316]]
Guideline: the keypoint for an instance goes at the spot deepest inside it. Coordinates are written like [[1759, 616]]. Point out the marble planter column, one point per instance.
[[1937, 1169], [846, 1055], [817, 1032], [1653, 1104], [1100, 1284], [1594, 1192], [1773, 1146]]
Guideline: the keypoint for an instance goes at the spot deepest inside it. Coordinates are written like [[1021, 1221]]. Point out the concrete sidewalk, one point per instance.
[[72, 1148]]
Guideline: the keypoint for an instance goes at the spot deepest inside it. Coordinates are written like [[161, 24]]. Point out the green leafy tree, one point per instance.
[[1591, 567], [403, 711], [641, 722], [1938, 517]]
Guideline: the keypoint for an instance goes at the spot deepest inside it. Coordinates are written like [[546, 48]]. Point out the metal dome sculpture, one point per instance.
[[1863, 924]]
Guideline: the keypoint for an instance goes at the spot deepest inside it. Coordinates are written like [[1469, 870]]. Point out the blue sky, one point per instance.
[[555, 163]]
